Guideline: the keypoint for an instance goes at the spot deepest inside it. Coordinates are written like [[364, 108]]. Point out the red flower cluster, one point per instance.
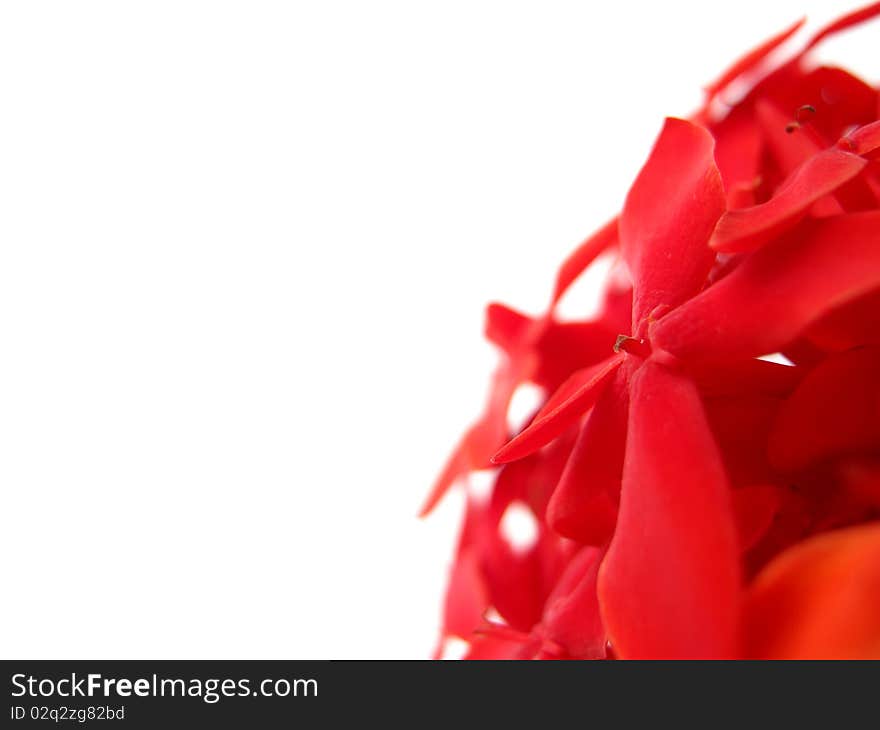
[[691, 499]]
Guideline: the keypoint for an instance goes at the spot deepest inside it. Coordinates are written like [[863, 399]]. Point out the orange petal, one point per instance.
[[819, 599]]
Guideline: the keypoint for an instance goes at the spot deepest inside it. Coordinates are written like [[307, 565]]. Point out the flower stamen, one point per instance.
[[804, 113], [632, 345]]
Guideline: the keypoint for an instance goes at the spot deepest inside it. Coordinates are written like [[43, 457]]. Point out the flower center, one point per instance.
[[632, 345]]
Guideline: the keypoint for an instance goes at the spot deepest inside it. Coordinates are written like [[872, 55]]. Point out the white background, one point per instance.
[[244, 249]]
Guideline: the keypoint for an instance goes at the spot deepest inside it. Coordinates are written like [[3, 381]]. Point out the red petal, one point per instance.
[[513, 581], [492, 647], [565, 347], [835, 410], [584, 504], [750, 228], [507, 328], [793, 146], [570, 402], [617, 307], [819, 599], [791, 523], [456, 465], [738, 154], [519, 582], [776, 292], [741, 377], [583, 256], [669, 586], [668, 217], [741, 425], [860, 477], [532, 479], [466, 597], [554, 349]]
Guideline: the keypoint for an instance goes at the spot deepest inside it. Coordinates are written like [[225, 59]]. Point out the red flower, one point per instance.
[[689, 499]]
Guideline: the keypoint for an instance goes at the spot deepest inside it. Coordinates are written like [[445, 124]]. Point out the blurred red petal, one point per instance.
[[532, 479], [749, 61], [755, 506], [466, 597], [565, 347], [738, 154], [792, 522], [860, 477], [519, 581], [741, 425], [507, 328], [571, 617], [554, 349], [843, 23], [790, 146], [854, 324], [489, 647], [836, 100], [583, 256]]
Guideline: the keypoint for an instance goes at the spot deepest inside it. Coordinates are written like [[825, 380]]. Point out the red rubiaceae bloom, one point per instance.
[[690, 499]]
